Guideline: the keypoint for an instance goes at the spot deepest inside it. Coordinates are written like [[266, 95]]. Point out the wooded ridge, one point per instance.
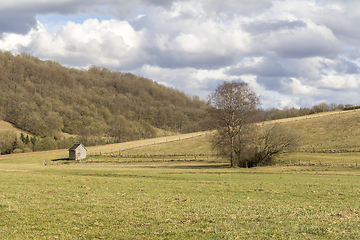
[[45, 99]]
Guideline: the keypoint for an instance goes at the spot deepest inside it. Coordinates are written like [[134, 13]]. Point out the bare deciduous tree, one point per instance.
[[244, 142], [234, 107]]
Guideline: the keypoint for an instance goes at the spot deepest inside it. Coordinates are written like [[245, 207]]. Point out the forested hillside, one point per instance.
[[45, 99]]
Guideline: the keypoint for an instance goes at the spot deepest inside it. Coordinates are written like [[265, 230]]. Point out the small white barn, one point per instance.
[[77, 152]]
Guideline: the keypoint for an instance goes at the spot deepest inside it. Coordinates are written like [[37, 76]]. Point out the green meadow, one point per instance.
[[178, 201], [178, 188]]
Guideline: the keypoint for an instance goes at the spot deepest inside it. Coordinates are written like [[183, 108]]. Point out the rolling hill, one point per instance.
[[336, 131], [99, 106]]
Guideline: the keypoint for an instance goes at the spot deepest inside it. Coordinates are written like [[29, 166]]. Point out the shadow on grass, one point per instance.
[[63, 160], [60, 159], [210, 166]]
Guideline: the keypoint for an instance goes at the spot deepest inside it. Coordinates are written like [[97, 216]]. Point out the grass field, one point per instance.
[[306, 196], [177, 201]]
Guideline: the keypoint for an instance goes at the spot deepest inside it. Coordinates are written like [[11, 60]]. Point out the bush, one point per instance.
[[17, 150], [25, 150], [47, 143], [258, 145]]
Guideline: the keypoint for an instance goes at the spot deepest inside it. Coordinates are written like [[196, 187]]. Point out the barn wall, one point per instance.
[[80, 153]]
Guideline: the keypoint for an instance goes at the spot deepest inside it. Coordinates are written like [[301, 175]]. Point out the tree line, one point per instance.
[[275, 113]]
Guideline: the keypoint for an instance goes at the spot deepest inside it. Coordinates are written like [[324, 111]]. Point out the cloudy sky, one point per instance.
[[294, 53]]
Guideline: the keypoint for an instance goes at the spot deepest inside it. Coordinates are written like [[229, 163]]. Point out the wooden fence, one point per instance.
[[122, 157], [348, 164]]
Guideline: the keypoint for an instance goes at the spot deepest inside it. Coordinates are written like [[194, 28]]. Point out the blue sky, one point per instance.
[[54, 22], [293, 53]]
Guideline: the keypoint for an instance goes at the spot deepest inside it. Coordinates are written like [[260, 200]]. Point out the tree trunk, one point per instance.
[[232, 153]]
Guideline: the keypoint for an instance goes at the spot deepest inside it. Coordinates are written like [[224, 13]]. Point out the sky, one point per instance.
[[293, 53]]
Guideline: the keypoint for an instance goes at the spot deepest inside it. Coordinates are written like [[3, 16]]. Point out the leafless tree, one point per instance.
[[234, 107]]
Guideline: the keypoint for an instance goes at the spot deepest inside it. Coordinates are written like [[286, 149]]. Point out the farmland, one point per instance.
[[114, 195], [177, 201]]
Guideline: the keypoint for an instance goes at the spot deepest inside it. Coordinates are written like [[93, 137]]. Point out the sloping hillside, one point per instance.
[[7, 127], [45, 99], [333, 131]]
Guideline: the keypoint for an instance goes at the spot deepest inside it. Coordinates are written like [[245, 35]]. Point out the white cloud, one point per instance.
[[109, 43], [340, 82], [299, 89], [189, 43], [13, 42], [290, 52]]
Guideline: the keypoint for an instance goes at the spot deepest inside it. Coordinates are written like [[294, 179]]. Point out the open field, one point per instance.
[[184, 199], [177, 201], [176, 187]]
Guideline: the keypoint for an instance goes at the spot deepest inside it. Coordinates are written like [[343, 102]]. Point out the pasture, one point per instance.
[[177, 201], [176, 187]]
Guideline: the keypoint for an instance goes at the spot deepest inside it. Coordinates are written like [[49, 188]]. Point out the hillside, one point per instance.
[[7, 127], [46, 99], [336, 131], [327, 132]]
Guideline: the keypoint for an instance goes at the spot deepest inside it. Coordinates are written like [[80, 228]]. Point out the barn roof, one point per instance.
[[75, 146]]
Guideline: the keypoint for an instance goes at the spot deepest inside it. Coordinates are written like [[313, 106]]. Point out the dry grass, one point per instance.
[[331, 130], [145, 142], [6, 127]]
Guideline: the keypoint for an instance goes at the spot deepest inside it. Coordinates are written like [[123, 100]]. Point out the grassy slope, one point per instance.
[[329, 131], [335, 131], [8, 127]]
